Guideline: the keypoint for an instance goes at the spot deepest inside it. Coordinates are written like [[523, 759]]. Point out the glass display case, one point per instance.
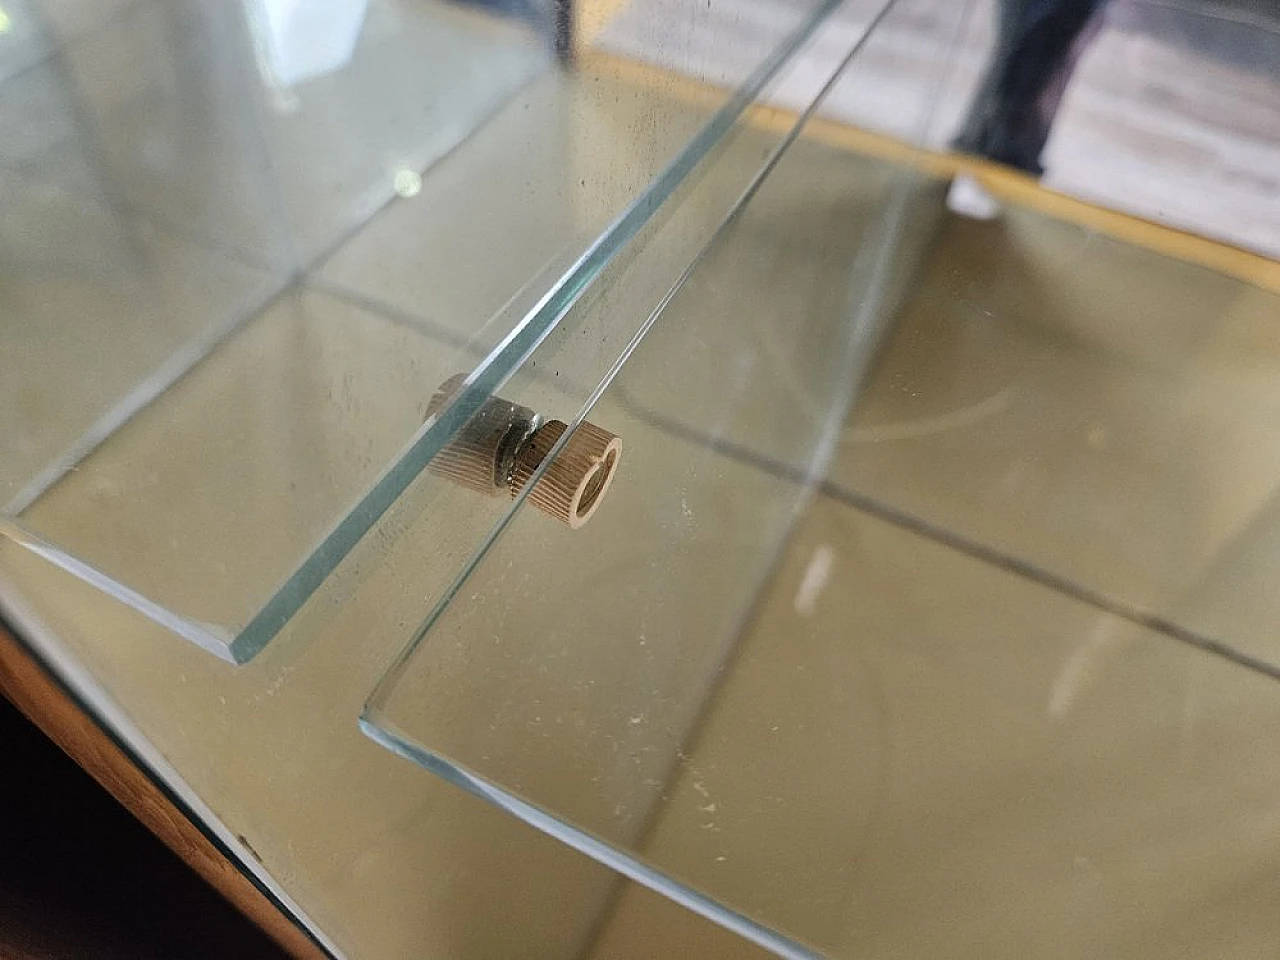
[[607, 409]]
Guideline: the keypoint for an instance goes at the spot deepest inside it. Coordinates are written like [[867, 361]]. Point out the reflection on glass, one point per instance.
[[300, 41]]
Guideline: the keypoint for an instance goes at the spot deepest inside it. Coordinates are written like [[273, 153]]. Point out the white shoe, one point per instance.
[[968, 198]]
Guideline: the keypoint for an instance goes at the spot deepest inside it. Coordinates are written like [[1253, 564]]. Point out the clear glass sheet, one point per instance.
[[916, 753], [783, 777], [224, 219], [1099, 408], [1064, 775], [562, 676]]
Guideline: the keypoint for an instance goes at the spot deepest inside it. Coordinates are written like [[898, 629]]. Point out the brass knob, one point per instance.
[[499, 449], [578, 478], [481, 455]]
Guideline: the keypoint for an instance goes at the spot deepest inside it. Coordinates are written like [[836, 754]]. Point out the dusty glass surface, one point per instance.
[[191, 186], [1017, 664], [601, 646], [997, 682], [913, 752], [274, 426]]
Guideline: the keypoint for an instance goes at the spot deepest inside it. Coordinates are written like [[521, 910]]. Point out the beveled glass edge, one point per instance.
[[589, 845]]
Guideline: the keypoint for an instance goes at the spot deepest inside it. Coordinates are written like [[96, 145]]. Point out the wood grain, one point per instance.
[[37, 695]]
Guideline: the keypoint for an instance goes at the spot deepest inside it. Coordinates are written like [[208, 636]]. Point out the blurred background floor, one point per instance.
[[1173, 114]]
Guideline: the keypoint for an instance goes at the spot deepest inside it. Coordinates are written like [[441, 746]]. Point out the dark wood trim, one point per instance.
[[26, 684]]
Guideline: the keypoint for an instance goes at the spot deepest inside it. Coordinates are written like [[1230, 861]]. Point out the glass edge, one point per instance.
[[51, 653], [586, 843], [213, 639]]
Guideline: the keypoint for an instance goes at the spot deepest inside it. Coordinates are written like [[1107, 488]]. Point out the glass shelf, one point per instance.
[[565, 674], [268, 254], [853, 724]]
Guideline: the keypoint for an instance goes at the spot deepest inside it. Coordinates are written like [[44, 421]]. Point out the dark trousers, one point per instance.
[[1038, 45]]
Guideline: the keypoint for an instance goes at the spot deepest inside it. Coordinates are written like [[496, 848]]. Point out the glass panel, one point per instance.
[[953, 712], [915, 753], [1052, 502], [1098, 410], [726, 409], [229, 218]]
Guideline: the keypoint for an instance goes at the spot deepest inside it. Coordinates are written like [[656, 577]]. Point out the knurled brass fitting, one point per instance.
[[499, 449]]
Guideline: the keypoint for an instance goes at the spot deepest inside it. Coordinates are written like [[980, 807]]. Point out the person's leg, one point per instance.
[[1030, 88], [1051, 99], [967, 196], [982, 107], [1037, 48]]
